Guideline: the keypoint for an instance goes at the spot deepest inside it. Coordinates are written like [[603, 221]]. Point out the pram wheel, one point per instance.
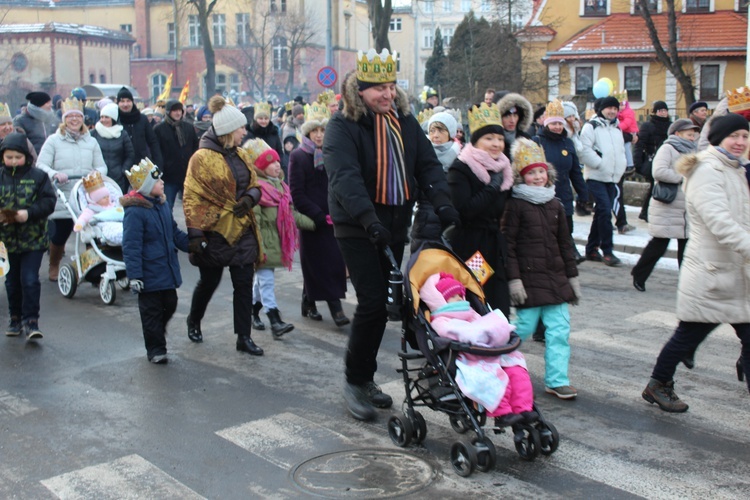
[[67, 281], [486, 454], [400, 430], [527, 441], [107, 291], [463, 458], [459, 424], [549, 438], [420, 428]]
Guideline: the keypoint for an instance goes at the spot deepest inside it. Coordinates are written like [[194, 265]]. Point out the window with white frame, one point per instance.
[[243, 28], [697, 6], [280, 54], [234, 82], [465, 5], [429, 6], [447, 5], [278, 6], [158, 81], [127, 28], [171, 38], [220, 29], [741, 5], [428, 37], [595, 7], [447, 32], [194, 31], [395, 24], [585, 81], [634, 82], [221, 82], [709, 90], [652, 5]]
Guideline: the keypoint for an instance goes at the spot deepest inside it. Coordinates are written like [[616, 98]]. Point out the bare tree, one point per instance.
[[298, 29], [670, 57], [203, 9], [506, 10], [379, 13]]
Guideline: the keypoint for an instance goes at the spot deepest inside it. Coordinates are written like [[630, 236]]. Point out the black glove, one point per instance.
[[320, 221], [496, 180], [379, 235], [448, 216], [196, 245], [243, 206]]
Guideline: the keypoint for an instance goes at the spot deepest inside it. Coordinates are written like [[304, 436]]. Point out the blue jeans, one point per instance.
[[263, 291], [170, 191], [600, 234], [556, 320], [22, 285]]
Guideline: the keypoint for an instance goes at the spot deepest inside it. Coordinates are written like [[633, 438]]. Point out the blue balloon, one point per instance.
[[601, 89]]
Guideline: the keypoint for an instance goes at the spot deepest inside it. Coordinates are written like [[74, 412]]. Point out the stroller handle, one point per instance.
[[447, 234], [70, 179]]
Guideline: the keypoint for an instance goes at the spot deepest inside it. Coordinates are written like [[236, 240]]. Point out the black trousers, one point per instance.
[[368, 270], [156, 310], [621, 218], [655, 250], [686, 339], [242, 303]]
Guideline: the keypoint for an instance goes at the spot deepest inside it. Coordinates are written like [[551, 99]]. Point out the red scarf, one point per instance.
[[279, 196]]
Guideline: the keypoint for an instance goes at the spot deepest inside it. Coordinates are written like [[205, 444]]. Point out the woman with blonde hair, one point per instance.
[[69, 153]]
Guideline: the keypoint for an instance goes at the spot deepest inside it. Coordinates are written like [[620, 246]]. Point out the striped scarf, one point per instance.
[[392, 187]]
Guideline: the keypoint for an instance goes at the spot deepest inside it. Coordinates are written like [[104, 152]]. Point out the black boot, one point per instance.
[[194, 330], [278, 327], [740, 370], [337, 313], [246, 344], [309, 310], [257, 323]]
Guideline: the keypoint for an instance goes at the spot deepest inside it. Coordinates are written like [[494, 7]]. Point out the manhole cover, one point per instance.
[[363, 474]]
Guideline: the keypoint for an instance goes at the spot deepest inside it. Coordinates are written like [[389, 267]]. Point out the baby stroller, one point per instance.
[[430, 373], [102, 262]]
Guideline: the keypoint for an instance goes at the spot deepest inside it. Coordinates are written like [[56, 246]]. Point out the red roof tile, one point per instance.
[[719, 34]]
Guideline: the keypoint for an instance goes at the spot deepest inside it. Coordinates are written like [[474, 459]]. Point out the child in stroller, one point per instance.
[[501, 384], [100, 208]]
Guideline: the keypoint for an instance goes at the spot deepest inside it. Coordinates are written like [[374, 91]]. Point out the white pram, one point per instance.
[[102, 263]]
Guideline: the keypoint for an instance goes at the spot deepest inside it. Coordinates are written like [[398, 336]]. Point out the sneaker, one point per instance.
[[377, 398], [662, 393], [594, 256], [31, 329], [562, 392], [610, 260], [358, 402], [625, 229], [160, 359], [14, 327]]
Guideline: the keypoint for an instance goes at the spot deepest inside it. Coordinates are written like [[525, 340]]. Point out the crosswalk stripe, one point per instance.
[[131, 476]]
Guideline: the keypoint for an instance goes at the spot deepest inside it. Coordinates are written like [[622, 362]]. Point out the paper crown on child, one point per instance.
[[526, 155], [261, 154], [93, 181], [448, 286], [72, 105], [483, 115], [425, 115], [327, 97], [143, 177], [5, 115], [555, 113], [738, 101], [262, 109], [374, 69], [621, 95]]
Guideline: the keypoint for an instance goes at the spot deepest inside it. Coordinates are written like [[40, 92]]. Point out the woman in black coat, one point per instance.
[[323, 268], [117, 149], [480, 180]]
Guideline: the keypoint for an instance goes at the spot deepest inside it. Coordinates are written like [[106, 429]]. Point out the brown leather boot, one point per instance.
[[55, 256]]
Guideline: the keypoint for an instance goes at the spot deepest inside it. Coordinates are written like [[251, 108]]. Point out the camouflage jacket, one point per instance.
[[26, 188]]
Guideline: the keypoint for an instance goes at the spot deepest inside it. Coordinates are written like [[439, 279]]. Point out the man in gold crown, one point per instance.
[[377, 157]]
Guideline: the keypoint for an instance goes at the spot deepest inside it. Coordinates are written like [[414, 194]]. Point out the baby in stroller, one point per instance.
[[501, 383], [100, 208]]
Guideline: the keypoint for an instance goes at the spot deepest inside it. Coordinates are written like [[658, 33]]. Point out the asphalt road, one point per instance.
[[84, 415]]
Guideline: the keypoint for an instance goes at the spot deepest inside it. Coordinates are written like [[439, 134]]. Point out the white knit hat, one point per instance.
[[446, 119], [111, 110], [226, 118], [570, 109]]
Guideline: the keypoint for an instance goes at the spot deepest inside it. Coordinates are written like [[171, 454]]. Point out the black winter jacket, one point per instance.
[[26, 188], [36, 131], [651, 135], [119, 156], [176, 157], [270, 134], [142, 136], [560, 152]]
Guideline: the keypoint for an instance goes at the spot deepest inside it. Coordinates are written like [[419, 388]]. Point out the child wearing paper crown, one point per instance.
[[541, 265], [501, 384], [150, 243], [277, 221], [100, 204]]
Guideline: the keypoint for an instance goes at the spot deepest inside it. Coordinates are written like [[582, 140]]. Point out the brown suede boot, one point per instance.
[[55, 256], [662, 393]]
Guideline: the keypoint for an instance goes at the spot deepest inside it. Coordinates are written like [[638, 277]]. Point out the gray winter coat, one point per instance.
[[667, 220]]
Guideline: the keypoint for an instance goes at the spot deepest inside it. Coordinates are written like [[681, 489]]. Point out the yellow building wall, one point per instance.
[[67, 63], [37, 54], [107, 17]]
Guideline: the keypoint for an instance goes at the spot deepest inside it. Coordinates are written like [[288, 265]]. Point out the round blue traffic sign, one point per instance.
[[327, 76]]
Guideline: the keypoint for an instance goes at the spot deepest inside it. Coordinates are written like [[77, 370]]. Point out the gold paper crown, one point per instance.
[[327, 97], [262, 108], [91, 104], [425, 115], [72, 104], [255, 148], [555, 109], [5, 110], [376, 68], [93, 181], [288, 106], [138, 173], [316, 112], [621, 95], [738, 99], [525, 153], [483, 115]]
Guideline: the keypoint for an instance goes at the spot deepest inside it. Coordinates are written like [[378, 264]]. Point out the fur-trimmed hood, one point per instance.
[[135, 199], [311, 125], [525, 111], [686, 164], [354, 106]]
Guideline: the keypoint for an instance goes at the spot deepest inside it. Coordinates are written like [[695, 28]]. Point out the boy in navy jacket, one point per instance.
[[149, 246]]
